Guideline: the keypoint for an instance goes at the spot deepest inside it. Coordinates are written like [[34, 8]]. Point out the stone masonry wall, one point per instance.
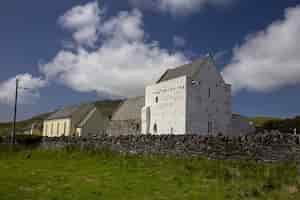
[[264, 147]]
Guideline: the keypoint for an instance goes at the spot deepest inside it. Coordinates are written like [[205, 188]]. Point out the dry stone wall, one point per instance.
[[264, 147]]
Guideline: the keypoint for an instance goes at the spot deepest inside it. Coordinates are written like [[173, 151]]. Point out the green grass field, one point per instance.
[[70, 174]]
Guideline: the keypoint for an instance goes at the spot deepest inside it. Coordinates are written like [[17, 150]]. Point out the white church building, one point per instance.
[[190, 99]]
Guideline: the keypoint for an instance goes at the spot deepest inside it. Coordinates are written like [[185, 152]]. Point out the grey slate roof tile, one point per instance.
[[130, 109], [185, 70], [78, 111]]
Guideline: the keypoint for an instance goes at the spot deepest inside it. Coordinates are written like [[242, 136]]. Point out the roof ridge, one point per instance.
[[187, 69]]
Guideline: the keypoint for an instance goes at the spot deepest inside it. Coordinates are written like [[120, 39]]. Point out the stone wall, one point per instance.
[[264, 147]]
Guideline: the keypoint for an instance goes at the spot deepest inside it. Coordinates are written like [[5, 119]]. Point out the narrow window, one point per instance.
[[210, 127], [209, 92], [155, 128], [156, 99], [137, 127]]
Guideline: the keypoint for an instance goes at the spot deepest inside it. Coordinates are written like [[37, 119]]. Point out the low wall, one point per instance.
[[266, 147], [272, 146]]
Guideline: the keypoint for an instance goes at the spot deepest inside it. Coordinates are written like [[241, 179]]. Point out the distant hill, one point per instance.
[[283, 125], [107, 107], [6, 128], [260, 120]]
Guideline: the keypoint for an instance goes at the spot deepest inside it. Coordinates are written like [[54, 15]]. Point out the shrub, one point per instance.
[[283, 125], [28, 139]]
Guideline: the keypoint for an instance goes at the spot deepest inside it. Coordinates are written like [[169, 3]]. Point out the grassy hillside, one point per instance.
[[6, 128], [283, 125], [260, 121], [106, 107], [77, 175]]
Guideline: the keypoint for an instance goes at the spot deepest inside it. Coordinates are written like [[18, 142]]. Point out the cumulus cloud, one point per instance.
[[179, 41], [269, 59], [83, 20], [123, 63], [178, 7], [28, 91]]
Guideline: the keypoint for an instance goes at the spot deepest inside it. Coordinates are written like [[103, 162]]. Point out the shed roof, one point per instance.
[[130, 109], [108, 107], [185, 70]]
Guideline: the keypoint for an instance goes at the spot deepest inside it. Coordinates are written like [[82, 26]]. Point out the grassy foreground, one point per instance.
[[70, 174]]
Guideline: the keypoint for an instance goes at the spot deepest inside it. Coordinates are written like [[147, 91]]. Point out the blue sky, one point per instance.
[[75, 51]]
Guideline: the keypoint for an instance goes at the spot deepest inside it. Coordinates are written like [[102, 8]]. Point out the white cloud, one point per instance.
[[269, 59], [178, 7], [28, 95], [179, 41], [122, 65], [83, 20]]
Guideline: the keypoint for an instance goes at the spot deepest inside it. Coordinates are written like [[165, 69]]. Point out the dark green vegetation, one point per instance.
[[71, 174], [260, 121], [283, 125], [106, 107], [6, 128]]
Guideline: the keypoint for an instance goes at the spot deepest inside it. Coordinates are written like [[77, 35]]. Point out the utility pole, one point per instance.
[[13, 139]]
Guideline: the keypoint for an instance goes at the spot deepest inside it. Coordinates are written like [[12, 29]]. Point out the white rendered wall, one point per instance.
[[57, 128], [204, 106], [169, 113]]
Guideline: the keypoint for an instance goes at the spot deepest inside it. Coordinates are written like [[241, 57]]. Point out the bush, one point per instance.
[[283, 125], [28, 139]]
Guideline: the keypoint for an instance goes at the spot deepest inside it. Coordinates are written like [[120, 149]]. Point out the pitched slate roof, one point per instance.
[[130, 109], [185, 70], [79, 111]]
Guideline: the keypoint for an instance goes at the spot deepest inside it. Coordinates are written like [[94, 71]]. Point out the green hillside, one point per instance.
[[6, 128], [260, 120], [286, 125], [107, 107], [75, 175]]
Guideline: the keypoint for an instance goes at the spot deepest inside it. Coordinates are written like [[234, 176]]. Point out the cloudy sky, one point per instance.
[[73, 51]]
